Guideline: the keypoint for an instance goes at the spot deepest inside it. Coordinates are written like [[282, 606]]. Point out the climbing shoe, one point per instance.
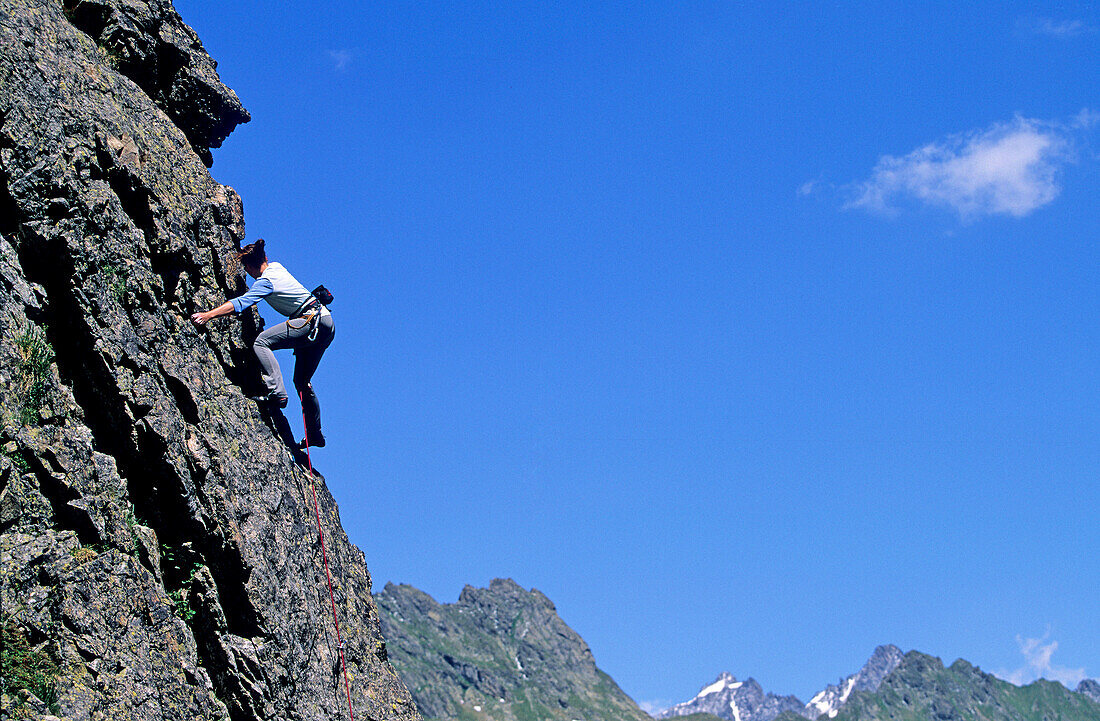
[[316, 440], [270, 399]]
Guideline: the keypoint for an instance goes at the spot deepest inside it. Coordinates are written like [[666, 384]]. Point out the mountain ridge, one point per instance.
[[922, 687], [1089, 687], [499, 653], [739, 701], [462, 661], [881, 664], [735, 700]]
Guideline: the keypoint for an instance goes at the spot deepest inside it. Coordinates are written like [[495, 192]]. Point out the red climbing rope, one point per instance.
[[324, 555]]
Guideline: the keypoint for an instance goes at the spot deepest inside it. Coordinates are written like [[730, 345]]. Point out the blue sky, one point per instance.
[[754, 335]]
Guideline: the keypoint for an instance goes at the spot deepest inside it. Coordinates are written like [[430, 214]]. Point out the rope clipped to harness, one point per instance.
[[324, 556]]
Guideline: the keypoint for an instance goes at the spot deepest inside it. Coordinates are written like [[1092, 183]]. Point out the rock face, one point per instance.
[[736, 700], [1090, 688], [921, 688], [500, 653], [159, 550], [881, 664], [149, 43]]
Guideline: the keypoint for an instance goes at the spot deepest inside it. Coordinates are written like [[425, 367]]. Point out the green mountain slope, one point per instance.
[[923, 689], [498, 654]]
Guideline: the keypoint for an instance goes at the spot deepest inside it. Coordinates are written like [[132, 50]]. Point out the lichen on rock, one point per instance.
[[157, 537]]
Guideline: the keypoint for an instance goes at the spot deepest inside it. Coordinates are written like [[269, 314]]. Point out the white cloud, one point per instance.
[[654, 707], [1037, 656], [1086, 119], [1053, 28], [340, 58], [1007, 169]]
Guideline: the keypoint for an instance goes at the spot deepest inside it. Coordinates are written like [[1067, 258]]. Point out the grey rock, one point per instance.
[[1090, 688], [148, 42], [881, 664], [157, 536]]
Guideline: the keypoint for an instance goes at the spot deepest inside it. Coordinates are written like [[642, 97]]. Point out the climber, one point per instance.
[[308, 330]]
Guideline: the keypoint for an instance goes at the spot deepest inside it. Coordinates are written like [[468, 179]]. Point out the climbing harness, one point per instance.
[[324, 556], [309, 313], [312, 319]]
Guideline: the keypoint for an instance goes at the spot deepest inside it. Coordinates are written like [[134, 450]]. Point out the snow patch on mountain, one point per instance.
[[736, 700], [713, 688], [829, 701]]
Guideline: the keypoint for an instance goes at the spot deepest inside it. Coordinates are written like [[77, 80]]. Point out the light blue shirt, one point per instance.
[[259, 290], [280, 289]]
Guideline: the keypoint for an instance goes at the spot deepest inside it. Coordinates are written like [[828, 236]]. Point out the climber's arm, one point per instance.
[[257, 292], [260, 289], [224, 309]]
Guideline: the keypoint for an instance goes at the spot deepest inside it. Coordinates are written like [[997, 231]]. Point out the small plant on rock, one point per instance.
[[176, 567], [114, 277], [33, 372], [25, 667], [17, 460], [181, 605]]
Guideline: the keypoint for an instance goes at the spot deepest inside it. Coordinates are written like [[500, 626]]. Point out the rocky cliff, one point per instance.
[[499, 653], [159, 551]]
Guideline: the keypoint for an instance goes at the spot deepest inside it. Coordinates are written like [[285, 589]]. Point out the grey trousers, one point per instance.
[[294, 333]]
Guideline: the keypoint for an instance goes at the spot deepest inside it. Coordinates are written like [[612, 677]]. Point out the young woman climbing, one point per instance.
[[308, 329]]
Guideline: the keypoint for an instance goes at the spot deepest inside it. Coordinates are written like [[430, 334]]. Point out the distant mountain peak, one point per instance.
[[1091, 688], [829, 701], [500, 653], [725, 680], [921, 687], [745, 700], [735, 700]]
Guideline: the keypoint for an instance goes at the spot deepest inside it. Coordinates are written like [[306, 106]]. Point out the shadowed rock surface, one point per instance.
[[499, 653], [159, 551]]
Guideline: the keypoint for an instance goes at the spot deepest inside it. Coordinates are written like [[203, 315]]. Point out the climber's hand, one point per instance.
[[203, 318]]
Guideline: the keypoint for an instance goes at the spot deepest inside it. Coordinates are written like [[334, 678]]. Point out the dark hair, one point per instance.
[[253, 254]]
